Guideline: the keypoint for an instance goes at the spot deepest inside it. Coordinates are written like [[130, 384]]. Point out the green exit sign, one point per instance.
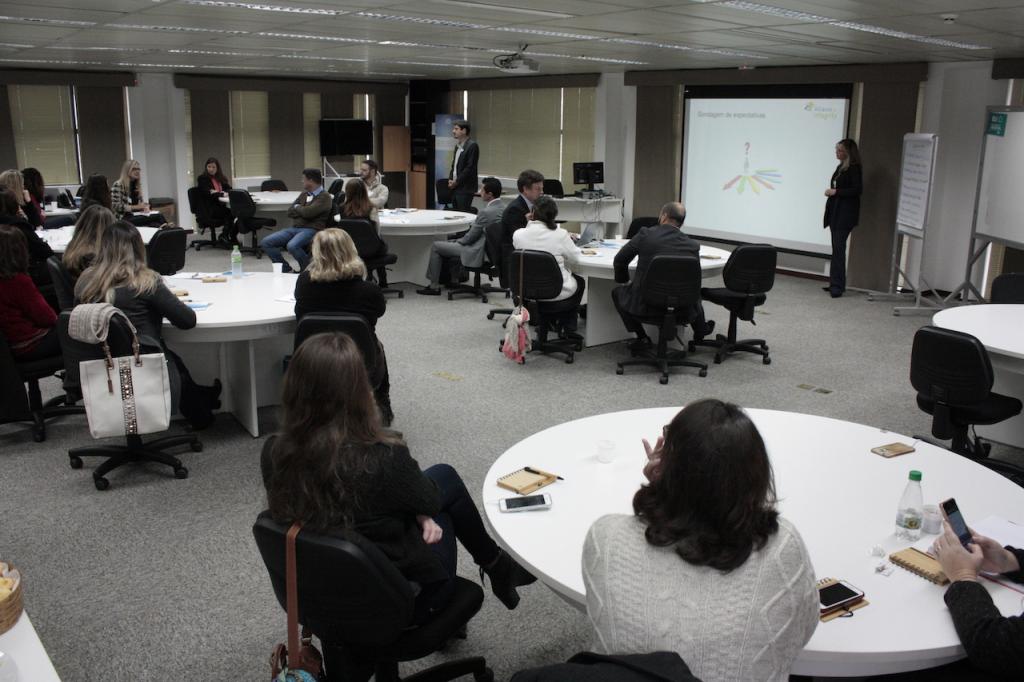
[[997, 123]]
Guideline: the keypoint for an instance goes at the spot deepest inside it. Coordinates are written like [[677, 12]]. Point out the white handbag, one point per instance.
[[130, 395]]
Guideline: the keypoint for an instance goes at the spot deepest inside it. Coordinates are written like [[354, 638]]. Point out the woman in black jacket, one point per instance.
[[335, 282], [334, 466], [842, 210], [214, 185]]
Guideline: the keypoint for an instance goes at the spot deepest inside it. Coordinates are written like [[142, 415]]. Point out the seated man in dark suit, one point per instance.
[[470, 247], [664, 238], [531, 186]]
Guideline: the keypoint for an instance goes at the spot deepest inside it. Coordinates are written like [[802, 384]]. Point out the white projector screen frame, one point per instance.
[[755, 169]]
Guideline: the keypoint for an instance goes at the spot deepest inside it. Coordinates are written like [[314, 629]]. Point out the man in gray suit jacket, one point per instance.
[[470, 247]]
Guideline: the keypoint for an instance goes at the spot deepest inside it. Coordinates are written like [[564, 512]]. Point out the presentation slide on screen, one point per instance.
[[756, 170]]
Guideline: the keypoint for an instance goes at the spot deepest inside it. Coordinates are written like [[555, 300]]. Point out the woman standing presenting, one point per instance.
[[842, 210]]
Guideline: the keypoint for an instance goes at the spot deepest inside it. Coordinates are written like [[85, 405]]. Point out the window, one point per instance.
[[311, 129], [190, 168], [45, 138], [250, 134], [546, 129]]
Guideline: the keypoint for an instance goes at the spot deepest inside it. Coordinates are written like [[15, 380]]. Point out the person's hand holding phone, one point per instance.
[[997, 559], [653, 456], [431, 531], [957, 562]]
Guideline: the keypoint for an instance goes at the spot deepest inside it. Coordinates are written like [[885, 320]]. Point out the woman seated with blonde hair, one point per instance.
[[335, 282], [85, 243]]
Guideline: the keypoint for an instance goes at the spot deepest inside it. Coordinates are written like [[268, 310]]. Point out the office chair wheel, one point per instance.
[[620, 369], [181, 472], [767, 360], [718, 358], [663, 379], [703, 373], [490, 315], [76, 462], [196, 445], [450, 296], [100, 482], [764, 347], [569, 359], [39, 433], [486, 676]]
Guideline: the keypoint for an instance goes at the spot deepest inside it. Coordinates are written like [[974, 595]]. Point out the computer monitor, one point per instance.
[[588, 173]]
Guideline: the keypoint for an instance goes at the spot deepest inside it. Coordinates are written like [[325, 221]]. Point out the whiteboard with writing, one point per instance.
[[916, 179]]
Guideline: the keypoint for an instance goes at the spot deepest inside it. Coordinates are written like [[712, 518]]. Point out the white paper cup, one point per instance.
[[278, 268], [932, 521], [606, 451]]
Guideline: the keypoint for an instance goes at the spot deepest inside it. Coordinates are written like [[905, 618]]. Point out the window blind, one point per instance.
[[189, 159], [44, 135], [250, 133], [311, 129]]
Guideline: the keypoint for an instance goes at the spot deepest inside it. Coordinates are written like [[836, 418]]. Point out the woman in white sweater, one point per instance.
[[705, 567], [542, 233]]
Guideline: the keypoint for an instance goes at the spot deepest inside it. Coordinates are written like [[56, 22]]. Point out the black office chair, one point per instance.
[[197, 203], [63, 287], [542, 279], [165, 252], [360, 606], [119, 339], [672, 287], [554, 188], [1008, 288], [337, 186], [748, 275], [444, 195], [492, 247], [368, 242], [352, 324], [500, 254], [16, 406], [952, 375], [273, 185], [640, 223], [244, 210]]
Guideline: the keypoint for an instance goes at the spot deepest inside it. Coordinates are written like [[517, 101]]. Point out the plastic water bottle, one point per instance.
[[236, 262], [910, 513]]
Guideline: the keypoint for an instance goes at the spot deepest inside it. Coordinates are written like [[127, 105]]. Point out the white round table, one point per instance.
[[840, 496], [1000, 328], [60, 237], [240, 338], [603, 322], [410, 234]]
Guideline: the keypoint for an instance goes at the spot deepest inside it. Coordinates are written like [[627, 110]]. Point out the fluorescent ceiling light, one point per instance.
[[218, 53], [156, 66], [541, 32], [456, 66], [449, 23], [98, 48], [851, 25], [684, 48], [606, 60], [499, 8], [305, 36], [16, 46], [14, 60], [325, 59], [176, 29], [50, 22], [259, 7]]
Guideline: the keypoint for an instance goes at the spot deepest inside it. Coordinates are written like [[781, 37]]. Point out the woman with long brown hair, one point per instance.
[[27, 321], [85, 242], [705, 567], [334, 466], [842, 210], [13, 180], [357, 206], [11, 213], [119, 276], [96, 191], [214, 186]]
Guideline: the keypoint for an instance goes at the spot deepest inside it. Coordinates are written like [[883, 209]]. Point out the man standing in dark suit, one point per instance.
[[664, 238], [462, 179]]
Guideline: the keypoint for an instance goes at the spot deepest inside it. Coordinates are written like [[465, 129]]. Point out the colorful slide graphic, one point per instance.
[[764, 176]]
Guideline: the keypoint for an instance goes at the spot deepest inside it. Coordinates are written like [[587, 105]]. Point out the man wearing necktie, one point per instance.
[[462, 178]]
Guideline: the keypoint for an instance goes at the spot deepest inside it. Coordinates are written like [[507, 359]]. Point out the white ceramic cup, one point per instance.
[[278, 268], [606, 451]]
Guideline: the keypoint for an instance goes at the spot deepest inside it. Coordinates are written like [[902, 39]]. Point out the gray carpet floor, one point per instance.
[[159, 579]]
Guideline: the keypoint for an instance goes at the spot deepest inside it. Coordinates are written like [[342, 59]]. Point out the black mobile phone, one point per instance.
[[838, 594], [956, 521]]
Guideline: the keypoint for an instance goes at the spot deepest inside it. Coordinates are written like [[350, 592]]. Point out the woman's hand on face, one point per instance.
[[431, 531], [653, 457]]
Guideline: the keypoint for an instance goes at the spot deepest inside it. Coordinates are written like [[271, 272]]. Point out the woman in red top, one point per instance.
[[26, 320]]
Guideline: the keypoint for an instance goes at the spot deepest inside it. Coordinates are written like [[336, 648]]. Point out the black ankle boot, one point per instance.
[[506, 575]]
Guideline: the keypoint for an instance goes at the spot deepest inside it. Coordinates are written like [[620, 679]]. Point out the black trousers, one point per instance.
[[461, 201], [459, 520], [837, 271], [694, 317]]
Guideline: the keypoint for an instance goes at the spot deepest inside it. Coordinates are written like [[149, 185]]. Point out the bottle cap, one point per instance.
[[915, 475]]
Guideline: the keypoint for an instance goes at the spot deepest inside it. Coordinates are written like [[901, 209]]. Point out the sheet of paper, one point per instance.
[[285, 299]]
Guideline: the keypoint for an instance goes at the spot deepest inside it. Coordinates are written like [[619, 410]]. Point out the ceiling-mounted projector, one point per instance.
[[517, 62]]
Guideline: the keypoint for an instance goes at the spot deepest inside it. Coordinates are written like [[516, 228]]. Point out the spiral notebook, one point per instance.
[[525, 482], [920, 563]]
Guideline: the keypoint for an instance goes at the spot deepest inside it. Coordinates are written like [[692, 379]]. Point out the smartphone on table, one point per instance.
[[838, 595], [956, 521], [525, 503]]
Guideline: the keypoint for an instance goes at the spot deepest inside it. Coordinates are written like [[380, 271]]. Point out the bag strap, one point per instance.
[[292, 589]]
